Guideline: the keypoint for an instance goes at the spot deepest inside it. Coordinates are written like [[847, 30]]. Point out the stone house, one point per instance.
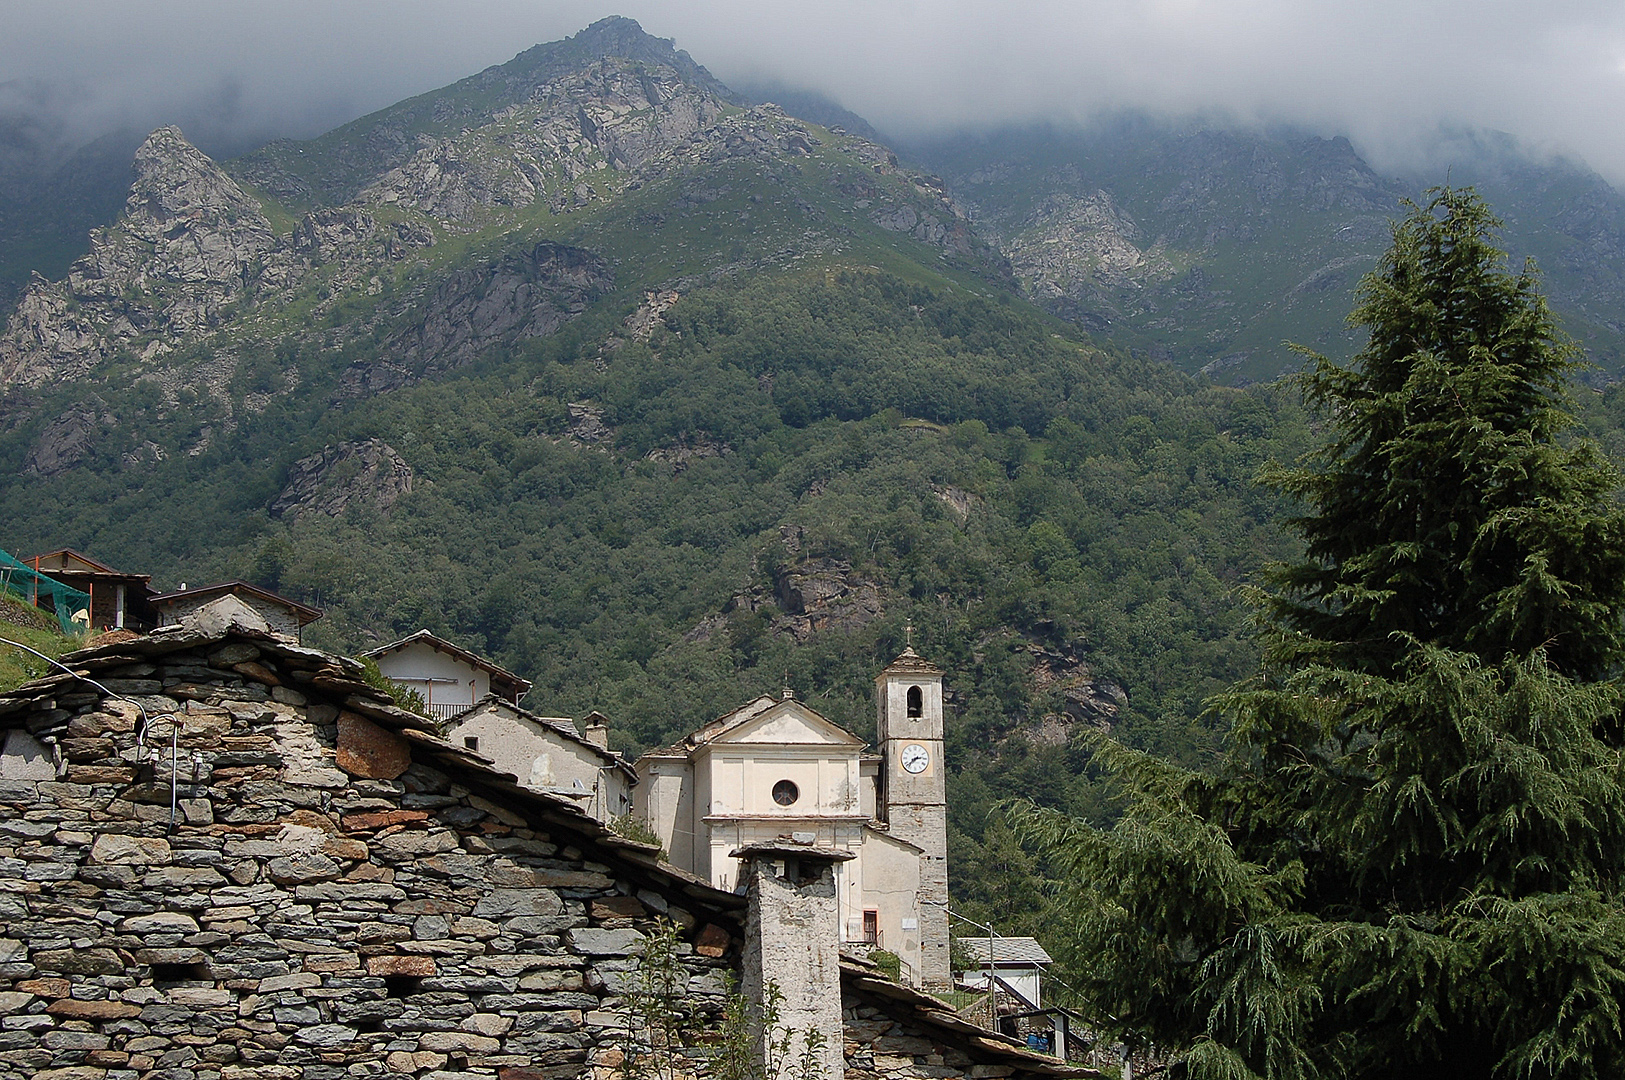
[[286, 618], [224, 856], [549, 753], [775, 768], [449, 677]]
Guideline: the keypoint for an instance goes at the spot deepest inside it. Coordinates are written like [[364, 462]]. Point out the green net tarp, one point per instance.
[[21, 582]]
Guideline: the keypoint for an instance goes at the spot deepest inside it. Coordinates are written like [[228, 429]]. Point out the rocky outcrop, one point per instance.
[[66, 441], [191, 243], [615, 114], [528, 294], [682, 452], [818, 594], [1080, 250], [1086, 698], [587, 423], [367, 473]]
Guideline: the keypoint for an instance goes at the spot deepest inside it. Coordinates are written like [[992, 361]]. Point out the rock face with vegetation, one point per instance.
[[1211, 247], [189, 243]]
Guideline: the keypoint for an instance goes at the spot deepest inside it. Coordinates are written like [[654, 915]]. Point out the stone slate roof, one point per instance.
[[909, 662], [303, 612], [339, 679], [1006, 950]]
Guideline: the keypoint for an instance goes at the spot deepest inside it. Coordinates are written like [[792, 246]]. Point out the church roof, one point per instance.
[[734, 723], [909, 662]]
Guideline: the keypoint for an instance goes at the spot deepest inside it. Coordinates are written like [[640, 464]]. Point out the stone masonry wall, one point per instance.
[[881, 1047], [299, 921]]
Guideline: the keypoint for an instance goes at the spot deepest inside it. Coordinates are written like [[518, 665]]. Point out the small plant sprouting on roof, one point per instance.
[[632, 827], [405, 697]]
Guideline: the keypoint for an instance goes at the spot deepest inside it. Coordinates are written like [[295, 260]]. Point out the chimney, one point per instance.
[[597, 729], [792, 941]]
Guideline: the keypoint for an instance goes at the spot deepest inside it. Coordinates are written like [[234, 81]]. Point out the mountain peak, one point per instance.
[[613, 36], [335, 167]]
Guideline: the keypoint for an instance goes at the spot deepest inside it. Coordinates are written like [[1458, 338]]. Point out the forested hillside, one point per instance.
[[662, 401]]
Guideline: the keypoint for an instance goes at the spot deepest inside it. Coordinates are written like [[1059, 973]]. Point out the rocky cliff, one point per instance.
[[190, 244], [206, 264]]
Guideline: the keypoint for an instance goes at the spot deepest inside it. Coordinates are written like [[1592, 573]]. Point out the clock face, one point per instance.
[[915, 758]]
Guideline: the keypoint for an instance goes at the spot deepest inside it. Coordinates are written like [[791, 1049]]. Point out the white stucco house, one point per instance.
[[1018, 963], [776, 770], [449, 677], [549, 753]]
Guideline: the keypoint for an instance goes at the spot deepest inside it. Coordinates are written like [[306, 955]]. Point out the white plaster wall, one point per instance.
[[543, 758], [891, 887], [1027, 982], [741, 781], [419, 661]]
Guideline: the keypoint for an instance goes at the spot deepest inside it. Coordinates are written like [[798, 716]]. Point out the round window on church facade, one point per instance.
[[785, 792]]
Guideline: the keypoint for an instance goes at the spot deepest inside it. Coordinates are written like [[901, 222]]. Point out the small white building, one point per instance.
[[450, 679], [549, 753], [775, 771], [1016, 962]]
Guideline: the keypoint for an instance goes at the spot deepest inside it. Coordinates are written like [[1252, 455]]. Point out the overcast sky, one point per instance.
[[1388, 73]]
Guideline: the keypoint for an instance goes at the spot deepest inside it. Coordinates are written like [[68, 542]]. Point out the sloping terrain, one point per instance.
[[662, 399], [1211, 248]]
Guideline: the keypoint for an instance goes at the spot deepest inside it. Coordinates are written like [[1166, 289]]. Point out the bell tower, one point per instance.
[[914, 800]]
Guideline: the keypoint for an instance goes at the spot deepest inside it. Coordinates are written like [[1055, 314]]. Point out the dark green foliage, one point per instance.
[[1109, 517], [1410, 861], [1445, 507]]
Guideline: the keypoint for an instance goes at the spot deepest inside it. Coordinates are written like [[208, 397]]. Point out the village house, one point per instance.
[[225, 856], [775, 769], [448, 677], [285, 617], [1015, 964], [549, 753], [119, 600]]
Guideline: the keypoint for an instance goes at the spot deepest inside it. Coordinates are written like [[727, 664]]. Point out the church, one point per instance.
[[775, 771]]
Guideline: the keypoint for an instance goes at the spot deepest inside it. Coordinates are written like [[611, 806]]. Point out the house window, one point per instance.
[[916, 703], [785, 792], [871, 927], [472, 742]]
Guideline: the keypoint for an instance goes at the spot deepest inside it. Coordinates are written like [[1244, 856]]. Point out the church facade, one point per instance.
[[776, 771]]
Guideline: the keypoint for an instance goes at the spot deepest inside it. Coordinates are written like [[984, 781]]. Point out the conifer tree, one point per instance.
[[1410, 863]]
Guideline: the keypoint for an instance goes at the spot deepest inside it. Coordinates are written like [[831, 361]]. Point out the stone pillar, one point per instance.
[[793, 942]]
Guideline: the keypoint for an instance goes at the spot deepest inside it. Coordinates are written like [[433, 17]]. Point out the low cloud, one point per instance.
[[1391, 74]]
